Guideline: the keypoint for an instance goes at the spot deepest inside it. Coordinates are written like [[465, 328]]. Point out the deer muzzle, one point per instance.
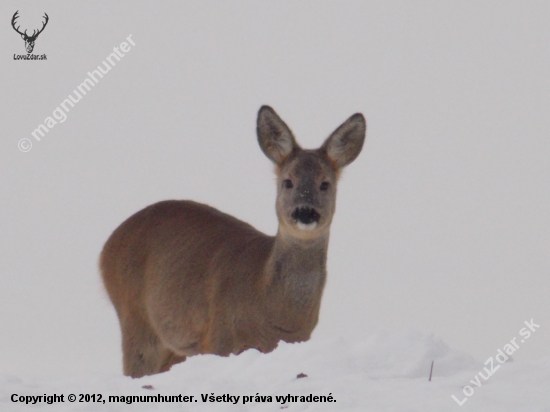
[[306, 217]]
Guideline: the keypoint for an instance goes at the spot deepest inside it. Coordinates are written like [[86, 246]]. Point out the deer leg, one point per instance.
[[170, 359], [143, 353]]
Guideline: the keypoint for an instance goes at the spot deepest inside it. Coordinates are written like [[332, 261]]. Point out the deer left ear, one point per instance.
[[345, 143], [23, 36], [274, 136]]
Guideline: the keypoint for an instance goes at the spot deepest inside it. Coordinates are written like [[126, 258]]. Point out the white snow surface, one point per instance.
[[386, 372]]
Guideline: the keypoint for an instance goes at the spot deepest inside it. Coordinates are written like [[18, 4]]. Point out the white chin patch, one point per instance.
[[306, 226]]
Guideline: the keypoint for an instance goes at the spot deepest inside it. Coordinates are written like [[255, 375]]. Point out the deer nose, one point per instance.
[[306, 215]]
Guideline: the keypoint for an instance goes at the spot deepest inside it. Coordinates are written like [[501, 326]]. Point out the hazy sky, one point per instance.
[[442, 222]]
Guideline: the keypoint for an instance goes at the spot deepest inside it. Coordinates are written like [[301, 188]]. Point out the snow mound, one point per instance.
[[387, 371], [403, 354]]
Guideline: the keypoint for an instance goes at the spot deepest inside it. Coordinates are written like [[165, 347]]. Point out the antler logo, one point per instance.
[[29, 40]]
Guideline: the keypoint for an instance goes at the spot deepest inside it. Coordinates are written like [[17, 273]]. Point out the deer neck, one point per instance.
[[295, 277]]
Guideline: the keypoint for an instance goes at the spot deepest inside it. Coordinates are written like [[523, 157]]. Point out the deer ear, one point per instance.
[[22, 36], [274, 136], [345, 143]]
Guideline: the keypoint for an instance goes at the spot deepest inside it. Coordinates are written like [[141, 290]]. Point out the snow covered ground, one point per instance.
[[386, 372]]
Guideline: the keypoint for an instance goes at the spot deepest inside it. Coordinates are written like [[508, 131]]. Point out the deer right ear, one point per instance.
[[346, 142], [274, 136]]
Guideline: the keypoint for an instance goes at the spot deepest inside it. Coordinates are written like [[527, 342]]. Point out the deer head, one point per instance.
[[29, 40], [306, 189]]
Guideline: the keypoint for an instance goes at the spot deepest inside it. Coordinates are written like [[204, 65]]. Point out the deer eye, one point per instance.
[[288, 184], [324, 185]]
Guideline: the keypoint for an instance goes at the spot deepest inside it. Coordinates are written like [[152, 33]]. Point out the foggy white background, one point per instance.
[[442, 222]]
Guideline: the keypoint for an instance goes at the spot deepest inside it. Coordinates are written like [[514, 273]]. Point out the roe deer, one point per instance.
[[187, 279]]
